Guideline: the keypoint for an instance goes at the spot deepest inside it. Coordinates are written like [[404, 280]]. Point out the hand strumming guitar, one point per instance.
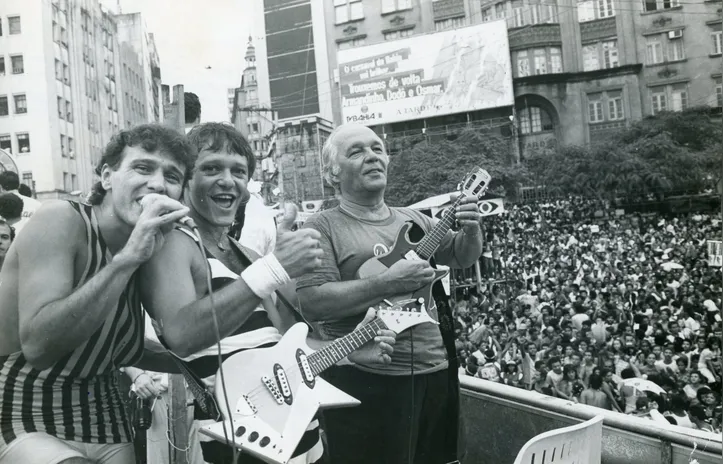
[[406, 276]]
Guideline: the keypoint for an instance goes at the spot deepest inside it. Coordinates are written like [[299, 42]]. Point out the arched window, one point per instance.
[[534, 119]]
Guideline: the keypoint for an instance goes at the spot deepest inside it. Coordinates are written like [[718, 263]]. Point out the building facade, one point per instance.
[[580, 69], [251, 117], [62, 83]]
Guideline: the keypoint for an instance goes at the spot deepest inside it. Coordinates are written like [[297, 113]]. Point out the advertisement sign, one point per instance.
[[448, 72]]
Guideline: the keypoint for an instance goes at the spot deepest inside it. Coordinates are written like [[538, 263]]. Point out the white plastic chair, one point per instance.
[[577, 444]]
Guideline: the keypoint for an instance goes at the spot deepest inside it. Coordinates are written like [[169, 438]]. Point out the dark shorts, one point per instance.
[[402, 419]]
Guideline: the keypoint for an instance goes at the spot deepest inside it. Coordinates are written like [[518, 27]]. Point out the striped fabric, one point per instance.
[[78, 398], [256, 332]]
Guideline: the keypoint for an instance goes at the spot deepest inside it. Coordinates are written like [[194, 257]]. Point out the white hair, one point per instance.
[[330, 158]]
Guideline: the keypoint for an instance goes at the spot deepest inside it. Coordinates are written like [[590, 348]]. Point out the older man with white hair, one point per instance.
[[409, 410]]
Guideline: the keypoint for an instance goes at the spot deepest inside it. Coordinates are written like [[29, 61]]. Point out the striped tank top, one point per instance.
[[256, 332], [77, 399]]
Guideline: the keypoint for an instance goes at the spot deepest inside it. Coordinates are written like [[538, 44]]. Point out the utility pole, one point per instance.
[[175, 117]]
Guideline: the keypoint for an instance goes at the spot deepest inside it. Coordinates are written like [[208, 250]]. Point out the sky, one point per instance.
[[193, 34]]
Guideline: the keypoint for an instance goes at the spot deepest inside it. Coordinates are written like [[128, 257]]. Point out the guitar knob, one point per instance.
[[420, 300]]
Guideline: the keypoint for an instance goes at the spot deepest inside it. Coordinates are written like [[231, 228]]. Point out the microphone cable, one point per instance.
[[196, 232]]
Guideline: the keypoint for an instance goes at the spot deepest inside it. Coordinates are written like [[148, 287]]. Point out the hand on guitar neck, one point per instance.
[[378, 352], [407, 276]]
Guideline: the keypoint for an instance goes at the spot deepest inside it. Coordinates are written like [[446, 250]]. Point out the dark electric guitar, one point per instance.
[[475, 183]]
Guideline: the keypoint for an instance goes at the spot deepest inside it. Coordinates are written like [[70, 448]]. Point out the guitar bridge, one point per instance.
[[273, 389]]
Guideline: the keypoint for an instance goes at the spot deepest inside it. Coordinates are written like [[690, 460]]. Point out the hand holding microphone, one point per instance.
[[157, 218]]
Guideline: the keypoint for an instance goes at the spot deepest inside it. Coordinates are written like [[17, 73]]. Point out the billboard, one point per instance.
[[448, 72]]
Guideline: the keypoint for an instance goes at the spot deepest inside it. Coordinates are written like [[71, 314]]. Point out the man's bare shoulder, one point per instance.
[[179, 247], [55, 222]]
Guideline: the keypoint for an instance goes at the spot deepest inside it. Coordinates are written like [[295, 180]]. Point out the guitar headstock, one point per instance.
[[404, 314], [476, 182]]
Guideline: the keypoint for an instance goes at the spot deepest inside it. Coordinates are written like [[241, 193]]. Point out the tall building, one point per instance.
[[63, 76], [58, 97], [252, 117], [580, 69], [132, 30]]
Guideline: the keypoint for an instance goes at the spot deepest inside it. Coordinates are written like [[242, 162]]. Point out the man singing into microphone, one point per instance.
[[70, 307]]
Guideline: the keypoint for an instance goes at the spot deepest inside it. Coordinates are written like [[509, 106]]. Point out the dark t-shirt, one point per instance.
[[348, 242]]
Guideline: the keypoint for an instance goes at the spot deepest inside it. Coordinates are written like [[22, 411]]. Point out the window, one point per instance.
[[17, 64], [66, 74], [615, 106], [654, 49], [4, 108], [74, 182], [23, 142], [28, 179], [394, 5], [679, 97], [535, 13], [717, 43], [71, 148], [500, 11], [676, 51], [523, 64], [58, 70], [21, 104], [487, 15], [450, 23], [14, 25], [585, 11], [610, 54], [605, 8], [66, 182], [63, 151], [518, 13], [6, 143], [348, 10], [658, 99], [540, 61], [590, 60], [2, 65], [550, 11], [352, 43], [394, 35], [534, 119], [69, 111], [61, 107], [595, 107], [718, 91], [555, 60], [655, 5], [255, 127]]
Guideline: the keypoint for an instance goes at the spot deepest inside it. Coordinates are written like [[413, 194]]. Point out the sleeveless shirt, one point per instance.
[[78, 398]]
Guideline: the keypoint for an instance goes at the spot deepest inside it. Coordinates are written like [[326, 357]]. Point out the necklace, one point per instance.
[[219, 241]]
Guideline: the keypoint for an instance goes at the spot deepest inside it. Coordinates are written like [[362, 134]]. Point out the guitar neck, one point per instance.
[[429, 244], [340, 348]]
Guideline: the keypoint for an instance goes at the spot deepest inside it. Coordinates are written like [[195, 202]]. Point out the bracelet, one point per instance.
[[142, 373], [265, 275]]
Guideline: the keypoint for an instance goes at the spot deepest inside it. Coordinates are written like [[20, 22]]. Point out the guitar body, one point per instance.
[[264, 425], [403, 248]]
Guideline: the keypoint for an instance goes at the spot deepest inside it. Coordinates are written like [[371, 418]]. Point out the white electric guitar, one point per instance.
[[274, 393]]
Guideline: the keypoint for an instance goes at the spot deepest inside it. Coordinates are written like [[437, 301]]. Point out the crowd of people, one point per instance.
[[616, 311]]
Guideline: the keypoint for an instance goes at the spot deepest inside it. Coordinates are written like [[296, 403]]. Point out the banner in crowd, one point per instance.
[[428, 75], [491, 207], [715, 253]]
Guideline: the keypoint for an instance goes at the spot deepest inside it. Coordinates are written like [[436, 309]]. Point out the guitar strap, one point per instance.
[[446, 327]]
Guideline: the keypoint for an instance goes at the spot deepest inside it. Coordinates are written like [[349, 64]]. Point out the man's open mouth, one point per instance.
[[224, 200]]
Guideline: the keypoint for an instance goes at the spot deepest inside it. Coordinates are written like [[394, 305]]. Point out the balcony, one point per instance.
[[498, 420]]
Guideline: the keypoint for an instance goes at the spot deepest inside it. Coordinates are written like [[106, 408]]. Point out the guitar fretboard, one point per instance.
[[428, 245], [340, 348]]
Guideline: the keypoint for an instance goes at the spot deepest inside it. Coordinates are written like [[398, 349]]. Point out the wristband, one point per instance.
[[265, 275], [136, 378]]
